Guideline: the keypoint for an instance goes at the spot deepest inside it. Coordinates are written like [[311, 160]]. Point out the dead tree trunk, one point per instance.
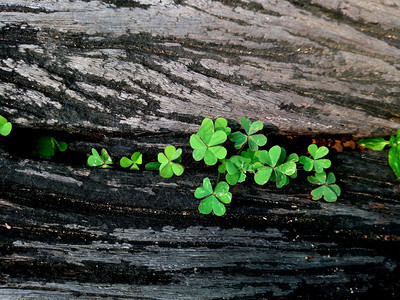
[[139, 75]]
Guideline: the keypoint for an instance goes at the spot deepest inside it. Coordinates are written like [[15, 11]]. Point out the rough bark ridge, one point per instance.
[[138, 75]]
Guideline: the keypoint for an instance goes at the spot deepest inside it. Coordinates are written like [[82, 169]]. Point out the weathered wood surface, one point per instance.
[[304, 67], [137, 75]]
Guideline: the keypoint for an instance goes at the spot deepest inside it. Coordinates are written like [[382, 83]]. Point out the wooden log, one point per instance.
[[139, 75]]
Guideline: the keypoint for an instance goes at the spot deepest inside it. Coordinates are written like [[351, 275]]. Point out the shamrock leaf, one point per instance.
[[46, 146], [254, 140], [96, 160], [207, 143], [236, 167], [136, 159], [273, 166], [169, 162], [152, 166], [222, 124], [315, 162], [327, 189], [213, 198], [5, 126]]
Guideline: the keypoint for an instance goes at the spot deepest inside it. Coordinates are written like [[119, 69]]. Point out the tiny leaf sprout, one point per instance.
[[254, 140], [133, 162], [208, 140], [394, 151], [5, 126], [213, 199], [170, 162], [102, 160], [327, 189], [46, 147], [316, 162]]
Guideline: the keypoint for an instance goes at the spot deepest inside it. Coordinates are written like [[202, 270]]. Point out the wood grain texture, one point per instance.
[[303, 67], [138, 75]]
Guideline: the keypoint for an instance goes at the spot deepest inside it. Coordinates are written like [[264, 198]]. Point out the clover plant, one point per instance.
[[273, 166], [207, 141], [394, 151], [253, 140], [102, 160], [214, 197], [170, 162], [133, 162], [315, 162], [5, 126], [236, 166], [327, 189], [46, 146]]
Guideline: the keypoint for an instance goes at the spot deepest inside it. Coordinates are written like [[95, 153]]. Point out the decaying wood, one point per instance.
[[304, 67], [138, 75]]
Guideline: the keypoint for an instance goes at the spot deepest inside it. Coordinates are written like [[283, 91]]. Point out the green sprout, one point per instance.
[[207, 142], [315, 162], [46, 146], [237, 166], [254, 140], [5, 126], [327, 189], [96, 160], [275, 166], [394, 152], [133, 162], [213, 199], [169, 162]]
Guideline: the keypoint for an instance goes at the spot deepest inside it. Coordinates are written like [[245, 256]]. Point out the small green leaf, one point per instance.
[[162, 158], [45, 147], [274, 154], [177, 169], [317, 193], [263, 175], [198, 154], [205, 190], [222, 192], [166, 171], [95, 161], [125, 162], [321, 164], [3, 120], [5, 128], [281, 179], [206, 206], [246, 124], [293, 157], [170, 151], [217, 138], [254, 127], [288, 168], [62, 146], [196, 142], [238, 138], [321, 152], [152, 166], [232, 179], [177, 154], [307, 163], [104, 154], [376, 144], [312, 149], [257, 140], [394, 160], [137, 157], [331, 178]]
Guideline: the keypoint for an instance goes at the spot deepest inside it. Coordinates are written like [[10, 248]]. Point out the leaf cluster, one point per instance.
[[329, 191], [46, 146], [5, 126], [380, 143], [170, 162], [133, 162], [102, 160], [253, 140], [213, 198]]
